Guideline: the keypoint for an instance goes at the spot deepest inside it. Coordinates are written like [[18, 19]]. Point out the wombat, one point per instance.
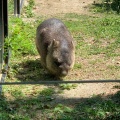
[[55, 46]]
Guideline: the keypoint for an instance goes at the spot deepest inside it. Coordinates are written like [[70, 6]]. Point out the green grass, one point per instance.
[[101, 6], [93, 36], [77, 66], [21, 37], [10, 6], [47, 92], [104, 30], [92, 108], [28, 9], [67, 86]]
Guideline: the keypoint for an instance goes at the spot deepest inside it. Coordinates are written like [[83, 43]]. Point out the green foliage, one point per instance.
[[68, 86], [77, 66], [109, 6], [17, 93], [10, 6], [21, 39], [28, 9], [103, 31], [96, 107], [60, 113], [47, 92], [61, 108], [91, 109]]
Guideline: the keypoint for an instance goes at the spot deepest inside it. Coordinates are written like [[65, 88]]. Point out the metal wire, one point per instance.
[[59, 82]]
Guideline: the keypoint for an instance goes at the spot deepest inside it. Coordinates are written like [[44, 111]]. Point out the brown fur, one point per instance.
[[55, 46]]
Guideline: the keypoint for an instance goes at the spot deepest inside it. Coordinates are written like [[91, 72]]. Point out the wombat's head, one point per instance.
[[60, 58]]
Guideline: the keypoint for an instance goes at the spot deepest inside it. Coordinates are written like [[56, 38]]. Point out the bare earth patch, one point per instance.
[[53, 7]]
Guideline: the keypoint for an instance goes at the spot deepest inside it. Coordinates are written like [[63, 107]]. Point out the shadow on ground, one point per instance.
[[31, 70], [98, 107], [115, 5]]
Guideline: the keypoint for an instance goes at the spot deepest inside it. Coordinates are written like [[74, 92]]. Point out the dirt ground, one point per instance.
[[51, 8]]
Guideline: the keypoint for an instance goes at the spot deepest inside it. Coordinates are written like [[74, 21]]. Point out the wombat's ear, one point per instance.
[[55, 43], [73, 44]]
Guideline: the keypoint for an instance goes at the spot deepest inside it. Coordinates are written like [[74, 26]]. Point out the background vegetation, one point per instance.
[[108, 6]]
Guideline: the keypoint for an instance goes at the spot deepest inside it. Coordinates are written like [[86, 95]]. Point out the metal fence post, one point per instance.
[[1, 40], [5, 15], [17, 8], [1, 34]]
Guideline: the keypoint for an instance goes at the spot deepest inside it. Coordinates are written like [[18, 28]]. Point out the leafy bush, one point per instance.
[[21, 39]]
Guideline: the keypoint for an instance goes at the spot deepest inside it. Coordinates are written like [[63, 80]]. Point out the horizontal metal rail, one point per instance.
[[59, 82]]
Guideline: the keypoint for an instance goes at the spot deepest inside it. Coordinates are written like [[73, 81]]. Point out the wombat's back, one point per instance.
[[55, 45]]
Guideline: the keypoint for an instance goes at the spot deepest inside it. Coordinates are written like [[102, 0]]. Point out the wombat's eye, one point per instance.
[[57, 63]]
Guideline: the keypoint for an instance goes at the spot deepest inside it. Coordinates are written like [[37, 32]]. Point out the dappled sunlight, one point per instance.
[[97, 106]]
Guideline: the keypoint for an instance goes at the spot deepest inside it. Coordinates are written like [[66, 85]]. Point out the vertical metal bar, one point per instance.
[[1, 39], [5, 15], [18, 7], [2, 78], [21, 5], [15, 8], [118, 7], [1, 34]]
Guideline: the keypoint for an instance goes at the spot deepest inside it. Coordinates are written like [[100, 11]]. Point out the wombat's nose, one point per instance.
[[64, 66], [64, 73]]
